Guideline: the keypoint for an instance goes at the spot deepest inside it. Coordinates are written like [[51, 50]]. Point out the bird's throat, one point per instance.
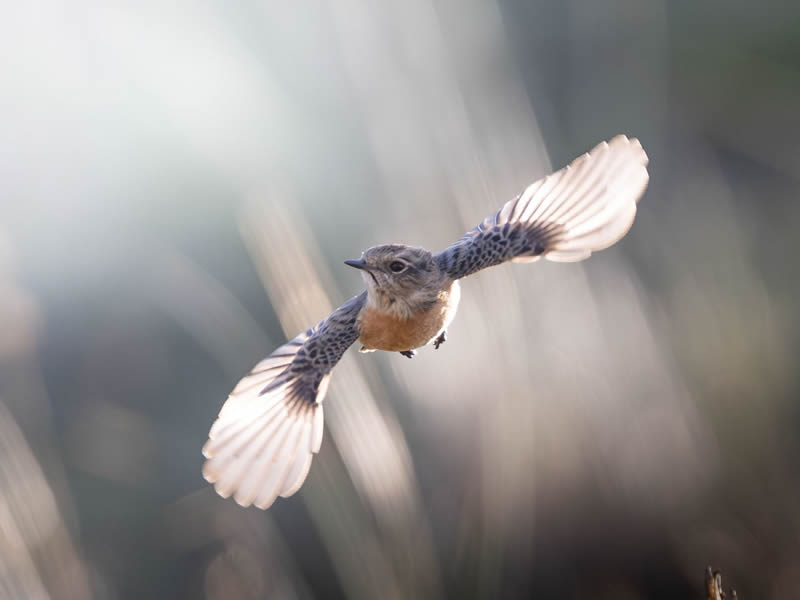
[[388, 304]]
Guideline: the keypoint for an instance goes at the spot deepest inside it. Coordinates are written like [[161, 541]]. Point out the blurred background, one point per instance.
[[179, 185]]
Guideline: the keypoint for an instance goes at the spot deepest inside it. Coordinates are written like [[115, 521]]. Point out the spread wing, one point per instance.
[[261, 444], [586, 206]]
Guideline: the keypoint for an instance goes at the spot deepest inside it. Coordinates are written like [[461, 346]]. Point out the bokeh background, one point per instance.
[[179, 184]]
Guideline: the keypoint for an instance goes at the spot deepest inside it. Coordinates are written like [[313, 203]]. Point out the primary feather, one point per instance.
[[586, 206], [261, 445]]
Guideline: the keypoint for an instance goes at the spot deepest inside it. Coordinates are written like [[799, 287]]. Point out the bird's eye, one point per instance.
[[397, 266]]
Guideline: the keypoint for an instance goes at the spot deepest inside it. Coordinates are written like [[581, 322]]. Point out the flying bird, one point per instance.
[[261, 445]]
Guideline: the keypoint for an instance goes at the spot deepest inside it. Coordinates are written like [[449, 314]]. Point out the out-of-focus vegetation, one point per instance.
[[715, 590], [180, 183]]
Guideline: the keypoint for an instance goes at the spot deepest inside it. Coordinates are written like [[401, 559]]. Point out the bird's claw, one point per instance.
[[440, 340], [409, 353]]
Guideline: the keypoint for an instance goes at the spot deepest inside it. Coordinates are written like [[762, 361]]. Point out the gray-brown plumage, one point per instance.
[[261, 444]]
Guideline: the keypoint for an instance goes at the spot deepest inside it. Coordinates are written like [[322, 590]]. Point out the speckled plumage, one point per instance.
[[261, 444]]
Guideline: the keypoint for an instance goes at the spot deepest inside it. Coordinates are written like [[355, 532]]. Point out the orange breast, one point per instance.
[[384, 331]]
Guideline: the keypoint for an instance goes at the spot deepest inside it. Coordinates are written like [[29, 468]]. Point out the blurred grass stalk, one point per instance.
[[37, 556]]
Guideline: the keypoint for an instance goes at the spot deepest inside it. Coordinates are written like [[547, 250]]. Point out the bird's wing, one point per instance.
[[586, 206], [261, 444]]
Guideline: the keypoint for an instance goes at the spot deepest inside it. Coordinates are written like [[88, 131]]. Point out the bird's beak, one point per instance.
[[358, 264]]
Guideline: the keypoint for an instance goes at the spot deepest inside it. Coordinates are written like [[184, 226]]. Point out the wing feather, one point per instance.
[[300, 467], [316, 431], [584, 207], [261, 445], [282, 463]]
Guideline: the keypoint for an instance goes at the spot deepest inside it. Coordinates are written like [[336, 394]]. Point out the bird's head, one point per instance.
[[400, 279]]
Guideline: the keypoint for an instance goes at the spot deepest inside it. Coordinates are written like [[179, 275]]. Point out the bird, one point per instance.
[[261, 444]]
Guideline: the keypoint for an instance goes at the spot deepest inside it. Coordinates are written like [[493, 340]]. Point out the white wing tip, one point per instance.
[[258, 459], [604, 220], [208, 473], [633, 144]]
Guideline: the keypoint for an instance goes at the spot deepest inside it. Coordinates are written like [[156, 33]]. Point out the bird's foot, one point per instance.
[[440, 340], [409, 353], [364, 350]]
